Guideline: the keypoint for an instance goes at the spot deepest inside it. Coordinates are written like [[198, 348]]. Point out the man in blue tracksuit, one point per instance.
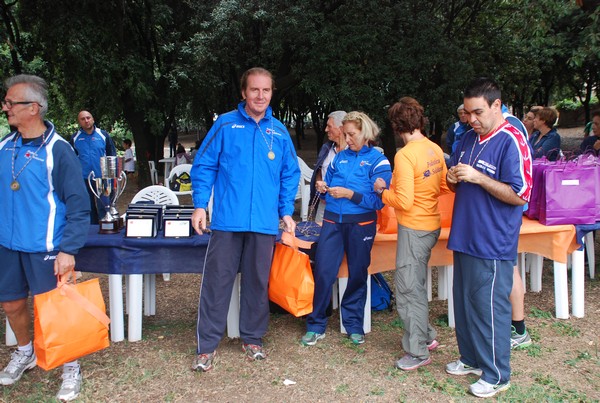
[[44, 221], [249, 160], [456, 130], [91, 143]]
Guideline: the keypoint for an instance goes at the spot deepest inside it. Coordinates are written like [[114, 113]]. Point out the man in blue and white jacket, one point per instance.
[[248, 157], [44, 218], [91, 143]]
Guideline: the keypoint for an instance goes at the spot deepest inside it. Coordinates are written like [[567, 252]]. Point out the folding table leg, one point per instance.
[[561, 293], [11, 339], [115, 300], [429, 285], [135, 307], [442, 286], [450, 289], [233, 315], [577, 284], [149, 294], [334, 296], [342, 284], [535, 272], [589, 248]]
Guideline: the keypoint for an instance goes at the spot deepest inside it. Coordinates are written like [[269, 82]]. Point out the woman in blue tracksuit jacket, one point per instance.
[[349, 226]]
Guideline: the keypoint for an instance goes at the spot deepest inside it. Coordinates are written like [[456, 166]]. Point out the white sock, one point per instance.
[[27, 349]]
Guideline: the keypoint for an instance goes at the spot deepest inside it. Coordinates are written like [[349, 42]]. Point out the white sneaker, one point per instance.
[[459, 368], [19, 363], [71, 385], [482, 388]]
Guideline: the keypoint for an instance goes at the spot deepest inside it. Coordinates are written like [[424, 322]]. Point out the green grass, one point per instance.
[[534, 312], [583, 355], [566, 329]]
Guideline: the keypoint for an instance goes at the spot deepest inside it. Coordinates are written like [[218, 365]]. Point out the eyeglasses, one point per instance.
[[10, 104]]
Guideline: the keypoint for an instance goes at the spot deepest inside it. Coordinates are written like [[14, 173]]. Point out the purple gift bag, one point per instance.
[[569, 195], [537, 191], [592, 160]]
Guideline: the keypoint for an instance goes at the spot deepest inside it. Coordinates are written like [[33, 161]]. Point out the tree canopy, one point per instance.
[[155, 63]]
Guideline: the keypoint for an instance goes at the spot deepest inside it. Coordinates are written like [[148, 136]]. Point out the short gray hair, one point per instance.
[[461, 107], [338, 117], [36, 91]]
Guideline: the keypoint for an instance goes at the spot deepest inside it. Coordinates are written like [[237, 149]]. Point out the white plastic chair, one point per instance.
[[175, 172], [153, 172], [156, 194], [304, 188]]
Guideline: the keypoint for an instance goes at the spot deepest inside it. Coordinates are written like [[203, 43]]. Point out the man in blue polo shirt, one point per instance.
[[91, 143], [491, 175]]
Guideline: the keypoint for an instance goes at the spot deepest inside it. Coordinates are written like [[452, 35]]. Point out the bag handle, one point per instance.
[[290, 239], [70, 291]]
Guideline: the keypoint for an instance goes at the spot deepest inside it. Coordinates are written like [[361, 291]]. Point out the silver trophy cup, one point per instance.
[[108, 189]]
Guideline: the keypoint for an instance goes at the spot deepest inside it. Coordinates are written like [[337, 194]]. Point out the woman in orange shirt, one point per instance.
[[419, 178]]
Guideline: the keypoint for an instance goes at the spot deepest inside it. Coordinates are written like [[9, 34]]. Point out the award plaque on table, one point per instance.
[[141, 208], [141, 225], [177, 225]]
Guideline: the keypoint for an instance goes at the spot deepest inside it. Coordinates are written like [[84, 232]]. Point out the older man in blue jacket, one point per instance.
[[248, 158]]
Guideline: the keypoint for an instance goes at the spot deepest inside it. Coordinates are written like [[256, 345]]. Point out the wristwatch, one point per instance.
[[380, 191]]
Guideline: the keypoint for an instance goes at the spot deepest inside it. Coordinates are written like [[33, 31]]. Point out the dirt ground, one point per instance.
[[563, 364]]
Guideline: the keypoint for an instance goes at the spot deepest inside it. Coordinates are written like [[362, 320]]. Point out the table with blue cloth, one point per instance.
[[139, 259]]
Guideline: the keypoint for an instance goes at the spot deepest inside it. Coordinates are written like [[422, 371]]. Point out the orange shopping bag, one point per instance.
[[291, 283], [69, 322]]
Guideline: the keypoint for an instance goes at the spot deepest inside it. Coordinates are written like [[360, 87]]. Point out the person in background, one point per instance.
[[173, 140], [419, 179], [545, 142], [456, 130], [528, 120], [491, 176], [349, 226], [591, 144], [129, 167], [519, 335], [334, 145], [181, 157], [45, 218], [195, 149], [249, 158], [91, 143]]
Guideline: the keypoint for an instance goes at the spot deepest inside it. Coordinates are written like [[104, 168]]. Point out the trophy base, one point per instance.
[[109, 227]]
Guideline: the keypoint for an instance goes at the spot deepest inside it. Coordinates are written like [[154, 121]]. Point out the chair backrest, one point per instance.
[[152, 165], [156, 194], [305, 171], [178, 170]]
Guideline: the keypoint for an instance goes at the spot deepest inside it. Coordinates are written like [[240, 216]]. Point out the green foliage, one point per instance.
[[573, 104], [150, 63]]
